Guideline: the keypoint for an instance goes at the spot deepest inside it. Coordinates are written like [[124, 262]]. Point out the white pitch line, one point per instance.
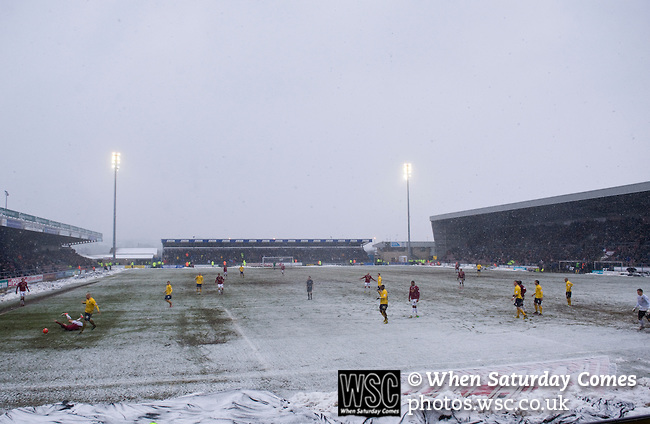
[[258, 355]]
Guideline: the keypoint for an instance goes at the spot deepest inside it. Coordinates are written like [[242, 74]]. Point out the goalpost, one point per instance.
[[277, 260], [610, 265]]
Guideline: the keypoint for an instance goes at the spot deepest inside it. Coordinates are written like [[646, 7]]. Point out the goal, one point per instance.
[[277, 260]]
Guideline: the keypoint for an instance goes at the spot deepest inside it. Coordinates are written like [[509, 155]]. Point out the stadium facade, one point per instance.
[[397, 251], [599, 226], [235, 251]]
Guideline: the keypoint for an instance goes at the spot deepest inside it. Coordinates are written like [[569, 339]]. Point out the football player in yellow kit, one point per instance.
[[199, 283], [168, 293], [538, 296], [569, 284], [383, 302], [91, 305], [519, 301]]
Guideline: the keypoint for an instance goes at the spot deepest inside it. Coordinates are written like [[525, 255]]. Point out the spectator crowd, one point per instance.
[[623, 240]]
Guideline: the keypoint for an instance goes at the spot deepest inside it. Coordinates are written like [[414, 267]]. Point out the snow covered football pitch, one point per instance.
[[263, 334]]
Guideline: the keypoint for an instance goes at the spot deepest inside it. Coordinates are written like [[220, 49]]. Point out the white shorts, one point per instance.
[[219, 286], [414, 303]]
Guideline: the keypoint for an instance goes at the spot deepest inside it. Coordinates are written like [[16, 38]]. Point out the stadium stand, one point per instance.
[[589, 228], [31, 245], [235, 251]]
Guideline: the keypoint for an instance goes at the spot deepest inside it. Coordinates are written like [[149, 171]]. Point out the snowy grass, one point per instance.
[[263, 334]]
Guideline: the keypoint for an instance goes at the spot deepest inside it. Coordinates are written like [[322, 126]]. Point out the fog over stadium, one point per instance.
[[293, 119]]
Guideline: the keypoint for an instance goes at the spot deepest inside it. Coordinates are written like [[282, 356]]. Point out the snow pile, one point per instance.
[[237, 406], [259, 407], [45, 286], [571, 403], [582, 408]]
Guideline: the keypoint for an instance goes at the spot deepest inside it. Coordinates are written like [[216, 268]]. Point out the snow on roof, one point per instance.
[[130, 251]]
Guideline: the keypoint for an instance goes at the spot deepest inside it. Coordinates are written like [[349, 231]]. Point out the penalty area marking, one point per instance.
[[258, 355]]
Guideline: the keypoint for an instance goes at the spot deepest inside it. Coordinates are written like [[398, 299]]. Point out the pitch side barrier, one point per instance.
[[32, 279], [267, 265]]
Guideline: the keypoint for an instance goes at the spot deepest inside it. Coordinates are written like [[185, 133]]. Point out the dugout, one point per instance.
[[610, 224], [235, 251]]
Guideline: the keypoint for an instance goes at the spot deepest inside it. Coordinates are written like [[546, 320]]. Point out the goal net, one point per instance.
[[277, 260]]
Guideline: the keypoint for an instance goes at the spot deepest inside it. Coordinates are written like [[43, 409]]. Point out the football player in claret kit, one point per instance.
[[368, 278], [23, 288], [461, 278], [73, 324], [414, 298], [219, 281]]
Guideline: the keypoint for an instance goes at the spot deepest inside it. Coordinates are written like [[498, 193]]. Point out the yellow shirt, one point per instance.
[[378, 280], [241, 269], [168, 289], [569, 284], [538, 292], [517, 292], [199, 279], [478, 267], [90, 306], [383, 297]]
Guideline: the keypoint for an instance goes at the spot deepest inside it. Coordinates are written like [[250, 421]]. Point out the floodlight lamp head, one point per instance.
[[407, 171], [115, 160]]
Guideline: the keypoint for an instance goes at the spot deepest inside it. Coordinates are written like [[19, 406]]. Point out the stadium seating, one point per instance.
[[27, 252], [588, 241], [177, 252]]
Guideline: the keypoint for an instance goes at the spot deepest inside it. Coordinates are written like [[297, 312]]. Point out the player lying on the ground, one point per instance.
[[73, 324]]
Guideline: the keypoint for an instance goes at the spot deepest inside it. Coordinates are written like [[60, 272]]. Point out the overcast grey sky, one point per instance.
[[293, 118]]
